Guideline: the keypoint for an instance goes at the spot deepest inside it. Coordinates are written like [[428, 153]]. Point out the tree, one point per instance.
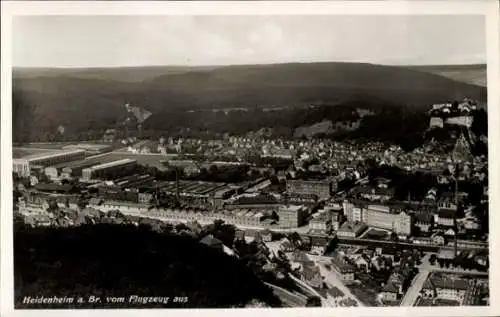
[[394, 237]]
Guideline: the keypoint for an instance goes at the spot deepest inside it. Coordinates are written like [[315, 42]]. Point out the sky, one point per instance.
[[113, 41]]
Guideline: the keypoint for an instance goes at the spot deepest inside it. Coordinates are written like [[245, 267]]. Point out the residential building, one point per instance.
[[343, 268], [445, 217], [438, 239], [389, 292], [362, 263], [446, 286], [212, 242], [312, 276], [267, 235], [286, 245], [423, 221]]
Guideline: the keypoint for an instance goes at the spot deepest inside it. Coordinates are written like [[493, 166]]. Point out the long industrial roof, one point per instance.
[[36, 157], [110, 164]]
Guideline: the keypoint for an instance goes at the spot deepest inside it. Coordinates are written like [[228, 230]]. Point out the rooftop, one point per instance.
[[51, 154], [349, 226], [111, 164]]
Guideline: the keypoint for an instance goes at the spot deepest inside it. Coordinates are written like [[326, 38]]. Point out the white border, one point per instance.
[[482, 7]]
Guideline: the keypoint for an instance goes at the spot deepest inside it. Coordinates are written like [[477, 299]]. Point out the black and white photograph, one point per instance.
[[182, 161]]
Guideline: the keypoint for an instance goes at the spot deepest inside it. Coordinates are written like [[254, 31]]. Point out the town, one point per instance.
[[325, 223]]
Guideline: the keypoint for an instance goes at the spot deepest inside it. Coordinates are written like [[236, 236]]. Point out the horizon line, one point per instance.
[[254, 64]]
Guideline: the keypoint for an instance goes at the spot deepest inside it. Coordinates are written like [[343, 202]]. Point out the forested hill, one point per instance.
[[93, 99], [108, 260]]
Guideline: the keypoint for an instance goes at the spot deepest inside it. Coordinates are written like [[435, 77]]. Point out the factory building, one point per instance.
[[23, 166], [322, 189], [292, 216], [379, 216], [109, 170]]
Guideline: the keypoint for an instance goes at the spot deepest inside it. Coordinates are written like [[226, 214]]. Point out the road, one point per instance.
[[332, 279], [414, 289], [425, 269]]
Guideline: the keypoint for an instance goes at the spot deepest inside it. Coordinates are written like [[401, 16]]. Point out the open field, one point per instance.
[[45, 145], [142, 159], [471, 74], [23, 152]]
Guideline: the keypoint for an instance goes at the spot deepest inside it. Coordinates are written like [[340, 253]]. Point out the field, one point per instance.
[[45, 145], [142, 159], [26, 151]]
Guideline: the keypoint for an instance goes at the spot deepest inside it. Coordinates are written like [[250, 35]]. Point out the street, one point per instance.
[[414, 290], [332, 279], [425, 269]]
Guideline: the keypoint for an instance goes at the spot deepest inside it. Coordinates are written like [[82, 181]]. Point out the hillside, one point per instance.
[[122, 74], [471, 74], [84, 101], [117, 260]]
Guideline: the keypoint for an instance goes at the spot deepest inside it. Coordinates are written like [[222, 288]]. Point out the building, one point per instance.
[[258, 201], [362, 263], [343, 268], [145, 198], [336, 220], [23, 166], [445, 217], [322, 223], [68, 170], [89, 148], [322, 189], [423, 221], [109, 170], [286, 245], [351, 229], [267, 235], [221, 195], [403, 224], [389, 292], [312, 276], [212, 242], [379, 216], [376, 193], [446, 286], [74, 169], [292, 216], [348, 207]]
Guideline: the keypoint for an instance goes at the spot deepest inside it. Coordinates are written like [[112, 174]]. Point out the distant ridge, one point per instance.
[[90, 100], [471, 74]]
